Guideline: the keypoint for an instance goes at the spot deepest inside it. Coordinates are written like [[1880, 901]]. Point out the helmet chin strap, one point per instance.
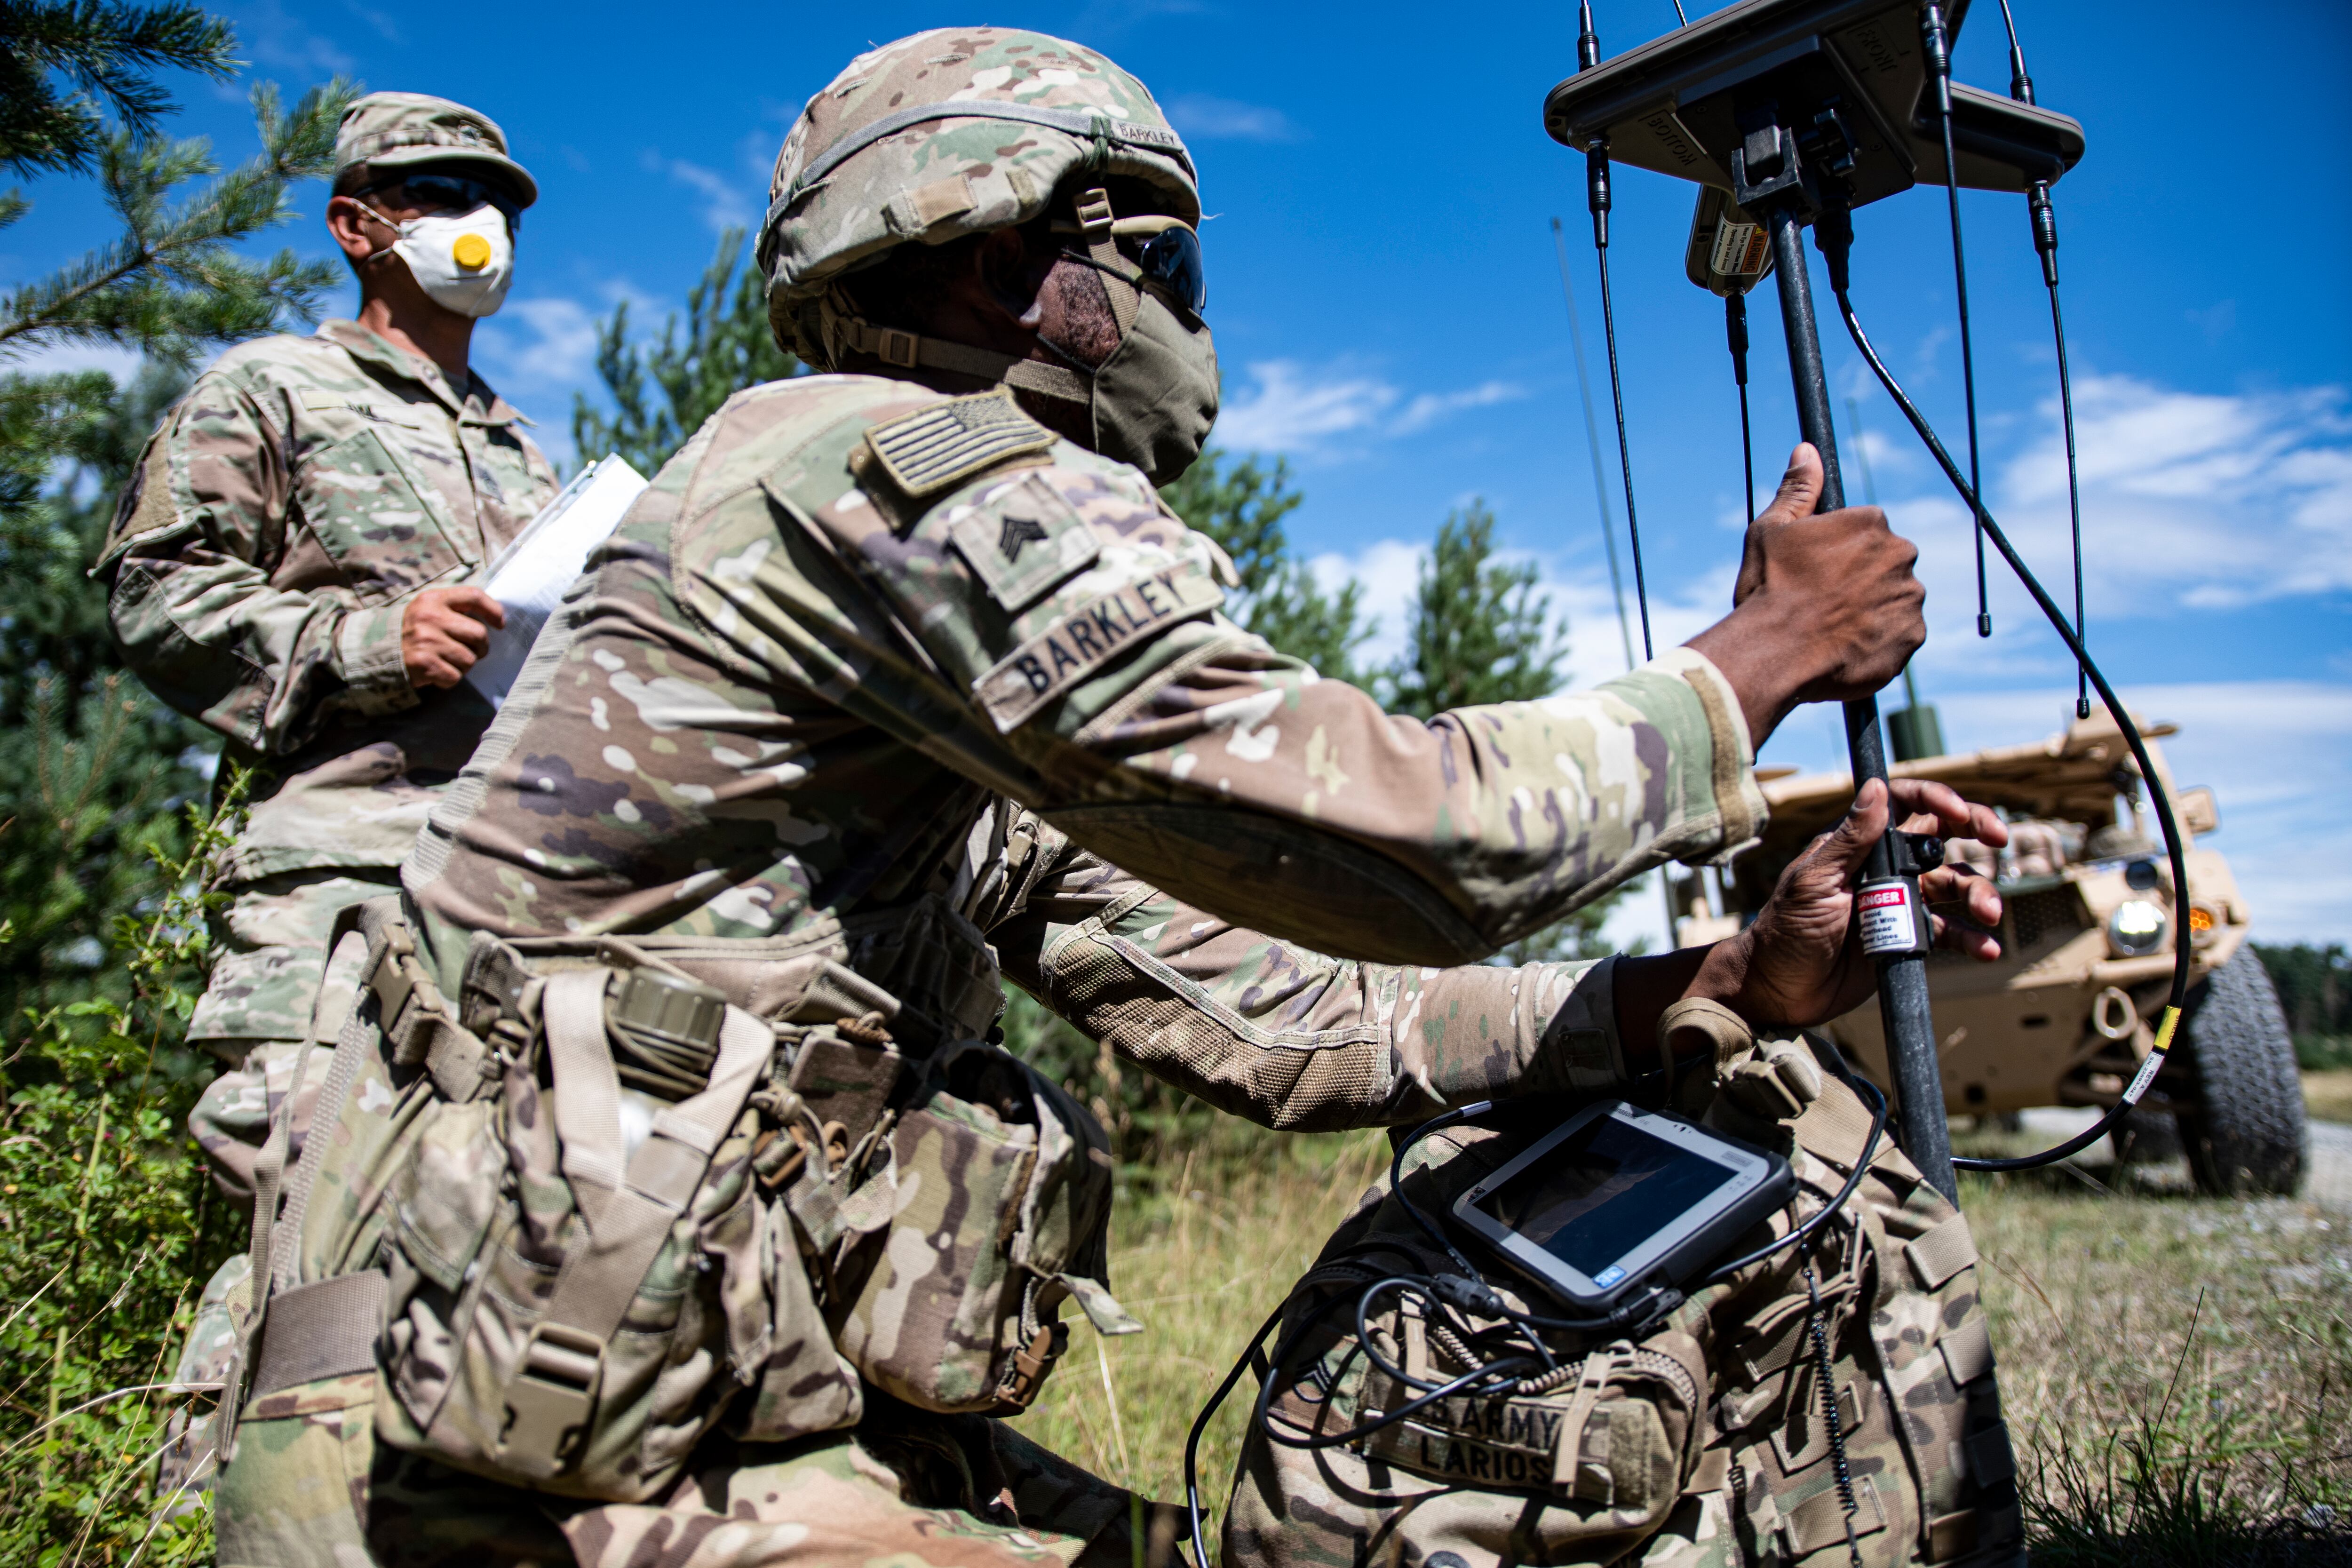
[[845, 332]]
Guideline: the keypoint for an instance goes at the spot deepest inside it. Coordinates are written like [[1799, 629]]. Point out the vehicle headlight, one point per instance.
[[2136, 927]]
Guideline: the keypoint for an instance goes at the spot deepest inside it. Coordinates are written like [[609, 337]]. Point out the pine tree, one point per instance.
[[662, 394], [1478, 631], [104, 1216], [1240, 505], [89, 764]]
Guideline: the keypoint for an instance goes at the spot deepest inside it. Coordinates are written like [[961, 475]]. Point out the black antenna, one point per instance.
[[1680, 20], [1596, 195], [1937, 53], [1735, 328], [1593, 439], [2044, 218]]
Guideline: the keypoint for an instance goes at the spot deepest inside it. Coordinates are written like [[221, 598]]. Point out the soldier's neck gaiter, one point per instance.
[[1155, 397]]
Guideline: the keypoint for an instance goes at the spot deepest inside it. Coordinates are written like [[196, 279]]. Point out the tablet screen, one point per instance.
[[1602, 1194]]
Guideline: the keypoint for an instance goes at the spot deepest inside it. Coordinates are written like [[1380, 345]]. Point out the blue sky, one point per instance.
[[1389, 318]]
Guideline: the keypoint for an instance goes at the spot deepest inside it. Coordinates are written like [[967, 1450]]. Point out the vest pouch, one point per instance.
[[1616, 1427], [1003, 1186], [577, 1285]]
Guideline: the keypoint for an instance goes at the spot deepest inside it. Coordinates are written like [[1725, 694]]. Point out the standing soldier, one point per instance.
[[296, 563], [676, 1210]]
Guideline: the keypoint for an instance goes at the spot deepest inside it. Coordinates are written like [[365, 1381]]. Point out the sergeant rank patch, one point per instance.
[[943, 444]]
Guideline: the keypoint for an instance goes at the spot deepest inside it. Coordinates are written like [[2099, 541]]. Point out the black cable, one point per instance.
[[2183, 956], [1854, 1081], [1597, 198], [1939, 56], [1825, 1374], [1735, 328]]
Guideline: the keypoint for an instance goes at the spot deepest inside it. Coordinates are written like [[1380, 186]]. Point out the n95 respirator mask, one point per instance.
[[463, 264]]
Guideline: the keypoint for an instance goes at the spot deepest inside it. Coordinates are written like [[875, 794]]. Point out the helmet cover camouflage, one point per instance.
[[875, 160], [386, 130]]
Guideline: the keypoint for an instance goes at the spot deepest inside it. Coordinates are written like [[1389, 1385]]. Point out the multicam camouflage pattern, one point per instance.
[[1630, 1458], [264, 554], [788, 692], [905, 1489], [387, 130], [934, 180], [271, 955]]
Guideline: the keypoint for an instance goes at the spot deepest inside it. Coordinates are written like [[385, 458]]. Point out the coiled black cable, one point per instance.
[[1834, 234]]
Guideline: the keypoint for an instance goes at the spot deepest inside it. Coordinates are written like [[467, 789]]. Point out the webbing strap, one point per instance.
[[587, 1089], [325, 1329], [1095, 123], [1990, 1459], [1836, 1126], [1968, 1351], [1568, 1453], [1820, 1520], [1942, 1252], [1711, 1473], [554, 1383], [906, 351]]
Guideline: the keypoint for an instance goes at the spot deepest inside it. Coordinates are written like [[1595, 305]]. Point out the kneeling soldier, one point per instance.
[[670, 1174]]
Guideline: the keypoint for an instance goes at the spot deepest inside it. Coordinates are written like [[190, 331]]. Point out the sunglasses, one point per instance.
[[1166, 250], [450, 193]]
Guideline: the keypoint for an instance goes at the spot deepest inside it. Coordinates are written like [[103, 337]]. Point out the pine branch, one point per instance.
[[170, 285], [108, 51]]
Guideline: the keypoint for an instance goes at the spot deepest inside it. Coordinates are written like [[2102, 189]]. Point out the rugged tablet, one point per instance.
[[1618, 1199]]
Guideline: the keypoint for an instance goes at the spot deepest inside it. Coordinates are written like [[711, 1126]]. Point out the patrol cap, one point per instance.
[[385, 130], [956, 131]]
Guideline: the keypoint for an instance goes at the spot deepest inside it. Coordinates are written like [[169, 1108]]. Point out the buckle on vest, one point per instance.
[[550, 1397], [1030, 1364], [894, 346]]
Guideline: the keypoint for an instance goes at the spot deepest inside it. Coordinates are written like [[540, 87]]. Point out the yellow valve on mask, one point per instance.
[[471, 252]]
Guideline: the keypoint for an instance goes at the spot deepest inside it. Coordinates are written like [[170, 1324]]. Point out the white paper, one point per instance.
[[530, 577]]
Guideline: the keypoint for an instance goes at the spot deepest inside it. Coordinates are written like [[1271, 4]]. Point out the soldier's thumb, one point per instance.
[[1801, 488], [1864, 825]]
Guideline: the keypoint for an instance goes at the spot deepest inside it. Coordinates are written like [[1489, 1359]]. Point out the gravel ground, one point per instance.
[[2328, 1179]]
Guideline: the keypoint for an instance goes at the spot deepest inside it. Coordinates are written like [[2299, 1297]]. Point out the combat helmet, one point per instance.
[[955, 132]]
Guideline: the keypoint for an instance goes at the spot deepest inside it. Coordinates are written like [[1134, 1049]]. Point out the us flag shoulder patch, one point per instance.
[[943, 444]]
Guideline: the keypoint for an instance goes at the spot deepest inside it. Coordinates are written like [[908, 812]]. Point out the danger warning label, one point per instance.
[[1888, 923]]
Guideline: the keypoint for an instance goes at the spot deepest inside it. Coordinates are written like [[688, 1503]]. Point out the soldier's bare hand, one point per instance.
[[444, 631], [1825, 608], [1801, 962]]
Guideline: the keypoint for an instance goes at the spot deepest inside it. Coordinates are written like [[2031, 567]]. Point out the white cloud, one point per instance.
[[1205, 117], [544, 343], [278, 38], [56, 359], [1333, 411], [2204, 499], [726, 202]]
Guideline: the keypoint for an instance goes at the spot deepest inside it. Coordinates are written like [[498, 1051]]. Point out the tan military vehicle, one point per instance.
[[2068, 1012]]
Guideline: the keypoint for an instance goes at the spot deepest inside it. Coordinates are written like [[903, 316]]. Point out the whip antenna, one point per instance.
[[2045, 245], [1593, 439], [1936, 50], [1734, 327], [1596, 195]]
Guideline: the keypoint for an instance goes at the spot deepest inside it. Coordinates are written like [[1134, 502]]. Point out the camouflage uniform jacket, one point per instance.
[[851, 611], [1264, 1029], [263, 556]]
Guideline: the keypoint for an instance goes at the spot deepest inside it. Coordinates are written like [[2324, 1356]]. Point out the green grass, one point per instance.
[[2177, 1370]]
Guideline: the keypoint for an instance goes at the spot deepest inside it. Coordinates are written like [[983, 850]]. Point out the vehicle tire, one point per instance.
[[2249, 1137], [2146, 1138]]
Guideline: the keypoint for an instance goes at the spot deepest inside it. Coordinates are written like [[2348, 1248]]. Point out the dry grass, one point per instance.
[[2328, 1095], [2208, 1342]]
